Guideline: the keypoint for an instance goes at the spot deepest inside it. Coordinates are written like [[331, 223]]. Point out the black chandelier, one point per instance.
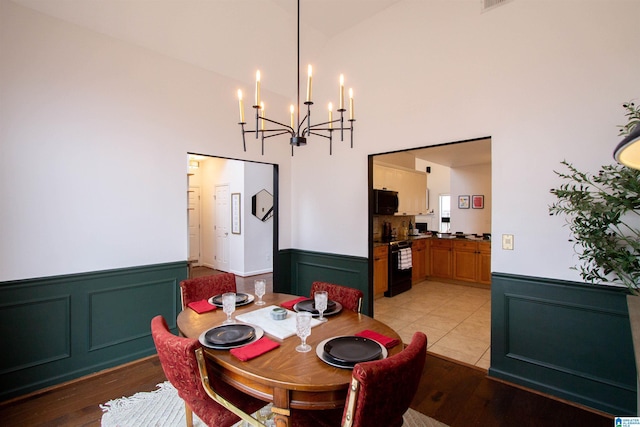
[[304, 127]]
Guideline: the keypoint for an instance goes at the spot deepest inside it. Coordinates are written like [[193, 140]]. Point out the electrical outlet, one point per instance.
[[507, 242]]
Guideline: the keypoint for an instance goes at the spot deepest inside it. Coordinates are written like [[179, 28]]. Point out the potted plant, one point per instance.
[[603, 215]]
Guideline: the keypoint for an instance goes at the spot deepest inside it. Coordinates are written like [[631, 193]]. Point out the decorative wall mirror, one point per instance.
[[262, 205]]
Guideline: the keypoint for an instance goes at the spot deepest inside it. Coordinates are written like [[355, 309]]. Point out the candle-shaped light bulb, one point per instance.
[[241, 106], [330, 115], [309, 84], [258, 87], [350, 104], [341, 104], [262, 113], [293, 122]]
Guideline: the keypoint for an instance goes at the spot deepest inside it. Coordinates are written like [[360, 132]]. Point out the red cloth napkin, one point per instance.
[[382, 339], [254, 349], [289, 304], [202, 306]]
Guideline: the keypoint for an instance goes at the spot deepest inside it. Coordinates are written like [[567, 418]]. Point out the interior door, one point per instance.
[[222, 226], [193, 219]]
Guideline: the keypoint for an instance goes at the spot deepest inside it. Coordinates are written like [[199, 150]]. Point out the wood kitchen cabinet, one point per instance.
[[418, 260], [472, 261], [380, 270], [484, 263], [411, 186], [441, 258]]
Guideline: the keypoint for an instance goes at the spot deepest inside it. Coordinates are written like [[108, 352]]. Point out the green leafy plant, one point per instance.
[[633, 118], [603, 213]]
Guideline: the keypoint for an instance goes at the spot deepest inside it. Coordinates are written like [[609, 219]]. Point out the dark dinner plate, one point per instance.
[[351, 350], [230, 334], [240, 299], [310, 306]]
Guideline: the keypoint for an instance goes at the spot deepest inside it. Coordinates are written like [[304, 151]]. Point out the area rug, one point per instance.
[[164, 408]]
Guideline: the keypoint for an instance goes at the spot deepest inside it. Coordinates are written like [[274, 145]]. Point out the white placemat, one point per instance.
[[278, 328]]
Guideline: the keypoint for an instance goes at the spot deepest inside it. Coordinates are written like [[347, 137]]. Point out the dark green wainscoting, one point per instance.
[[299, 269], [566, 339], [56, 329]]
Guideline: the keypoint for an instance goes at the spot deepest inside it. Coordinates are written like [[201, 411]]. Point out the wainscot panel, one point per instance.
[[305, 267], [55, 329], [566, 339]]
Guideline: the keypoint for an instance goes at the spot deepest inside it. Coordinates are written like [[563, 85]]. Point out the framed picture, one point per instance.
[[235, 213], [477, 202], [463, 202]]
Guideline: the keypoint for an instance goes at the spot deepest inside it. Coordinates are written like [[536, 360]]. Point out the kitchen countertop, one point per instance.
[[432, 236]]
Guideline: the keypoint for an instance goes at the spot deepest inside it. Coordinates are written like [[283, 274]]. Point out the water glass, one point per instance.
[[321, 298], [229, 306], [261, 286], [303, 330]]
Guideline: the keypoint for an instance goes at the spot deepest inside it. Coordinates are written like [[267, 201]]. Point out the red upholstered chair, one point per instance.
[[205, 287], [380, 392], [180, 365], [350, 298]]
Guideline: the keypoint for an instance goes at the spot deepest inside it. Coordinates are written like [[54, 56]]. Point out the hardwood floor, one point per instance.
[[453, 393]]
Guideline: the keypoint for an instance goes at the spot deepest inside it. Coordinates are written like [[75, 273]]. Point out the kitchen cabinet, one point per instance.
[[441, 258], [411, 186], [380, 270], [418, 260], [484, 263], [472, 261]]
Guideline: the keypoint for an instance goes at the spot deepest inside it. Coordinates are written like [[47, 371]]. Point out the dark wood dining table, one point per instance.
[[283, 376]]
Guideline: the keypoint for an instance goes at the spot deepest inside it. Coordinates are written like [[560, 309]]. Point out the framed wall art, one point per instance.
[[477, 202], [463, 202], [235, 213]]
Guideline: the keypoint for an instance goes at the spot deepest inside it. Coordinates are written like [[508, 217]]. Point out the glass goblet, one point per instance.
[[229, 306], [321, 298], [260, 290], [303, 330]]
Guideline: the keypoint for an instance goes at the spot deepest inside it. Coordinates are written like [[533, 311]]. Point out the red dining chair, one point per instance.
[[202, 395], [205, 287], [350, 298], [380, 391]]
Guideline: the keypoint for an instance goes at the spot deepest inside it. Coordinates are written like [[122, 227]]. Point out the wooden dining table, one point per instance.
[[287, 378]]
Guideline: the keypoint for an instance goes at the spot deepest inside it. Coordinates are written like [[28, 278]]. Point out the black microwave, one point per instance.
[[385, 202]]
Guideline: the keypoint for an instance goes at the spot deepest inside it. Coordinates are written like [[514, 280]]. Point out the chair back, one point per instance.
[[350, 298], [178, 359], [381, 391], [205, 287], [183, 364]]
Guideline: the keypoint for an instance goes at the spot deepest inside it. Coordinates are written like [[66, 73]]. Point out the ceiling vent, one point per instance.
[[488, 5]]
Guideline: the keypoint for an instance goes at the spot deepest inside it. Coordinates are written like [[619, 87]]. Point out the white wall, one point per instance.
[[105, 127], [544, 79], [438, 182], [470, 181], [257, 235], [251, 251]]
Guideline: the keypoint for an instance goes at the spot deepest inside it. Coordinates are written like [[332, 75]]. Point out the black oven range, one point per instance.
[[400, 267]]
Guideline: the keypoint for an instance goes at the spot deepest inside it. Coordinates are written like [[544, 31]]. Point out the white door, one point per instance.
[[193, 219], [222, 226]]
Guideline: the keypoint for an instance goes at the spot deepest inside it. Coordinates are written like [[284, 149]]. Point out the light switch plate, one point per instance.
[[507, 242]]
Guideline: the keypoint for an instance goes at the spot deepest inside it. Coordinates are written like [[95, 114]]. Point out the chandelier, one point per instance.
[[300, 129]]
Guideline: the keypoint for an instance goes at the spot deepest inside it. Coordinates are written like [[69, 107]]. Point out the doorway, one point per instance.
[[250, 247], [455, 315]]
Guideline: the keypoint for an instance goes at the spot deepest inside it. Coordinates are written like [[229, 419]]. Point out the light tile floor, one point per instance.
[[456, 319]]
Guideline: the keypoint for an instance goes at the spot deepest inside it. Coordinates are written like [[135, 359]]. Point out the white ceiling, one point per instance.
[[455, 155], [230, 37]]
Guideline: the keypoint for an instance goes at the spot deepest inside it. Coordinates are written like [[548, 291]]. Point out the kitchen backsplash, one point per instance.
[[399, 225]]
